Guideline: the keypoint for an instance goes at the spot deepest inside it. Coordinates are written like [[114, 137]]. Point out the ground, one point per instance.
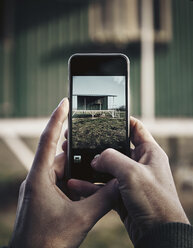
[[98, 132]]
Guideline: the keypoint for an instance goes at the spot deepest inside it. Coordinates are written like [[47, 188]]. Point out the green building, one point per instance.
[[38, 37]]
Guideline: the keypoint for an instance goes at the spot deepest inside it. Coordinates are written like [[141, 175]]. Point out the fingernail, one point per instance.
[[61, 102], [93, 162]]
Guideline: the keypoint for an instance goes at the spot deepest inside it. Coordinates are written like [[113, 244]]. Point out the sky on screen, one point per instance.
[[100, 85]]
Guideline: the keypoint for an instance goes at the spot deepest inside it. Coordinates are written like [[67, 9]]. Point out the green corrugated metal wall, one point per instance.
[[135, 94], [40, 58], [1, 58], [1, 77], [43, 44], [174, 66], [48, 32]]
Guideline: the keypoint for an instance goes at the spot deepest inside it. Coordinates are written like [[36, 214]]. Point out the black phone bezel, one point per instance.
[[94, 65]]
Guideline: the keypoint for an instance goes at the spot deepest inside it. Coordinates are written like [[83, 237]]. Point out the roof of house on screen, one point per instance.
[[96, 95]]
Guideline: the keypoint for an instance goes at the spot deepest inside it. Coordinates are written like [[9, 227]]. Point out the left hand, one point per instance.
[[46, 217]]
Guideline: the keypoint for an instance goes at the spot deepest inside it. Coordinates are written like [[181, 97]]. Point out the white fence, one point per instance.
[[12, 131], [114, 113]]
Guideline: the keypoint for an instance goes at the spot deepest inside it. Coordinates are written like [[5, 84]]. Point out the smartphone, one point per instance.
[[99, 111]]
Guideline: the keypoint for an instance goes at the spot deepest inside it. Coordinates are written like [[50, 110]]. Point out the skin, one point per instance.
[[46, 216], [143, 191], [148, 193]]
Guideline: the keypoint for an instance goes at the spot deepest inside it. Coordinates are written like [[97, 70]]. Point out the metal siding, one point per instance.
[[1, 78], [42, 47], [42, 72], [105, 103], [135, 94], [20, 67], [80, 103], [173, 66]]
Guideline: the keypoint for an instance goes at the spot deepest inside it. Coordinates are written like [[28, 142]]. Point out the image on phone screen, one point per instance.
[[98, 120]]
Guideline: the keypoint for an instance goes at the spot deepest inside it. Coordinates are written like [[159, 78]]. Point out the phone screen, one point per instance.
[[98, 121]]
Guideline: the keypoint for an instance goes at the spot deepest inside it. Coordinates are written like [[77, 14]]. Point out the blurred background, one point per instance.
[[36, 40]]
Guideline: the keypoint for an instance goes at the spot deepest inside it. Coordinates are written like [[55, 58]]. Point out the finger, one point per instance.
[[79, 188], [115, 163], [66, 133], [139, 134], [48, 142], [20, 199], [59, 165], [132, 155], [121, 210], [101, 202], [64, 146]]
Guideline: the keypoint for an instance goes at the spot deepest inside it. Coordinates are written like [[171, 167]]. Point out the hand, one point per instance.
[[146, 184], [46, 217]]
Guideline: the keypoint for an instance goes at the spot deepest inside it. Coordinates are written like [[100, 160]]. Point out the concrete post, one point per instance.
[[147, 61]]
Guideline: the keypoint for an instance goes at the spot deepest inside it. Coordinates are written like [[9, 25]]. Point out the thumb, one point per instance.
[[139, 134], [115, 163], [101, 202]]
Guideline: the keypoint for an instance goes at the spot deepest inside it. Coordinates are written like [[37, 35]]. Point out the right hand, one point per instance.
[[145, 182]]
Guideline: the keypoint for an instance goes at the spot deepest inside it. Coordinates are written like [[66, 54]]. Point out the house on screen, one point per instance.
[[93, 102]]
